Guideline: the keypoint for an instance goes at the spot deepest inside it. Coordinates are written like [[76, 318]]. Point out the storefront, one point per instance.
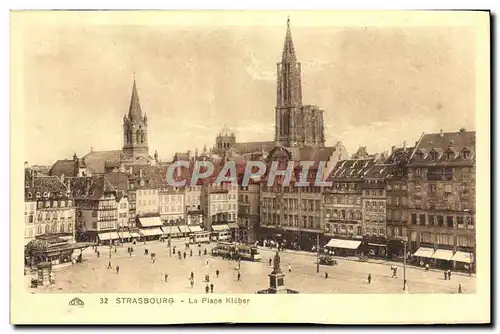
[[442, 258], [423, 256], [220, 232], [106, 238], [183, 231], [234, 231], [170, 231], [463, 261], [342, 247], [152, 233], [195, 228]]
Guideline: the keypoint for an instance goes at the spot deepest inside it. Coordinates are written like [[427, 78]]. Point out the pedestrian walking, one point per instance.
[[205, 252], [207, 288], [191, 282], [166, 278], [326, 275], [211, 287], [98, 254], [180, 255], [289, 267], [199, 252], [460, 288], [217, 273], [270, 262], [184, 255], [207, 278], [395, 272], [239, 276], [445, 275], [115, 249], [117, 269], [207, 262], [369, 278], [190, 253], [109, 265], [130, 254], [449, 274], [154, 259], [426, 267]]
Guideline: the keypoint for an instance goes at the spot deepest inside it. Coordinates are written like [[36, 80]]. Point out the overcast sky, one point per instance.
[[378, 86]]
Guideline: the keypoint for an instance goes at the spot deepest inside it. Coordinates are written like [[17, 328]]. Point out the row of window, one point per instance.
[[223, 217], [49, 228], [50, 204], [171, 208], [223, 207], [344, 214], [441, 220], [343, 200], [171, 199]]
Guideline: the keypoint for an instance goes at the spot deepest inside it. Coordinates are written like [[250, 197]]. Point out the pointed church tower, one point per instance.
[[288, 96], [135, 130]]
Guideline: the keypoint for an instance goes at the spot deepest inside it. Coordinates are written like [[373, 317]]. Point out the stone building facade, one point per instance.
[[441, 192]]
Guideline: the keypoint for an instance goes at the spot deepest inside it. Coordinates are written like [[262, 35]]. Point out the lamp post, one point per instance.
[[317, 253], [405, 240]]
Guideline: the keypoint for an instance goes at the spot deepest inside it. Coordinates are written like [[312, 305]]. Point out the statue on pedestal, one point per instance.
[[276, 263]]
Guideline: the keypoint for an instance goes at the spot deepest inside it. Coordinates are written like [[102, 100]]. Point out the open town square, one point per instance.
[[139, 274]]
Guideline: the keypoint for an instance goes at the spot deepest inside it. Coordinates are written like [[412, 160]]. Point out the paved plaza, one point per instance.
[[138, 274]]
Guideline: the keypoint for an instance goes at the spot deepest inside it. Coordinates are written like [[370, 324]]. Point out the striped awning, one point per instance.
[[220, 228], [339, 243], [135, 235], [424, 252], [124, 235], [195, 228], [464, 257], [148, 232], [443, 254], [108, 236], [183, 229]]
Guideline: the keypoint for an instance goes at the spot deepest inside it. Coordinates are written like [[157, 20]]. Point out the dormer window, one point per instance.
[[419, 155], [29, 195], [450, 155], [433, 155], [37, 194], [466, 154], [45, 195], [54, 204]]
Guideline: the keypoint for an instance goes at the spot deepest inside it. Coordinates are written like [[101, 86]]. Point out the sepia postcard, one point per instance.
[[187, 167]]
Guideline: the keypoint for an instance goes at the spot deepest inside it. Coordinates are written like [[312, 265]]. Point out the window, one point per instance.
[[433, 156], [417, 172], [413, 218], [422, 219], [449, 221], [432, 188], [440, 220]]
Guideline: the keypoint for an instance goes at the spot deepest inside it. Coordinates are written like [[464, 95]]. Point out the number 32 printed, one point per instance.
[[103, 300]]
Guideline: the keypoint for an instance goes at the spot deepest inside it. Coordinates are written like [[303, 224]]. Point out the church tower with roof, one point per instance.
[[135, 130], [296, 125]]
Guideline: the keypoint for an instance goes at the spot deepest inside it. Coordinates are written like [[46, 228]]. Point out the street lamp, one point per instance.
[[404, 240], [317, 253]]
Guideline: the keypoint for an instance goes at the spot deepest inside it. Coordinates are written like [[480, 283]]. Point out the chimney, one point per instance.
[[393, 149], [189, 154], [441, 132], [462, 129], [25, 165], [68, 186]]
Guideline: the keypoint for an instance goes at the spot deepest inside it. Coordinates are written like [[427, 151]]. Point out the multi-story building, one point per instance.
[[194, 214], [441, 198], [343, 200], [220, 206], [49, 208], [96, 209], [171, 201], [122, 210], [397, 201], [248, 212], [374, 209]]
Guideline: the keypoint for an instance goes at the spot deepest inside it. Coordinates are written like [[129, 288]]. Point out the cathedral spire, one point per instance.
[[288, 49], [135, 106]]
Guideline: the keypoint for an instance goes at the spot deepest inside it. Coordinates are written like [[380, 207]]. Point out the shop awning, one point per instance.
[[377, 245], [183, 229], [339, 243], [195, 228], [151, 231], [135, 235], [219, 228], [424, 252], [108, 235], [124, 235], [443, 254], [170, 229], [462, 257], [232, 225], [150, 221]]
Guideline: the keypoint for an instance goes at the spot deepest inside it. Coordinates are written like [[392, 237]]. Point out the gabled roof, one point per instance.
[[50, 185], [96, 160], [351, 169], [93, 187], [255, 146]]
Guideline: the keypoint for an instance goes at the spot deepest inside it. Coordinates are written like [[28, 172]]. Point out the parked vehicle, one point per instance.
[[327, 260], [249, 253]]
